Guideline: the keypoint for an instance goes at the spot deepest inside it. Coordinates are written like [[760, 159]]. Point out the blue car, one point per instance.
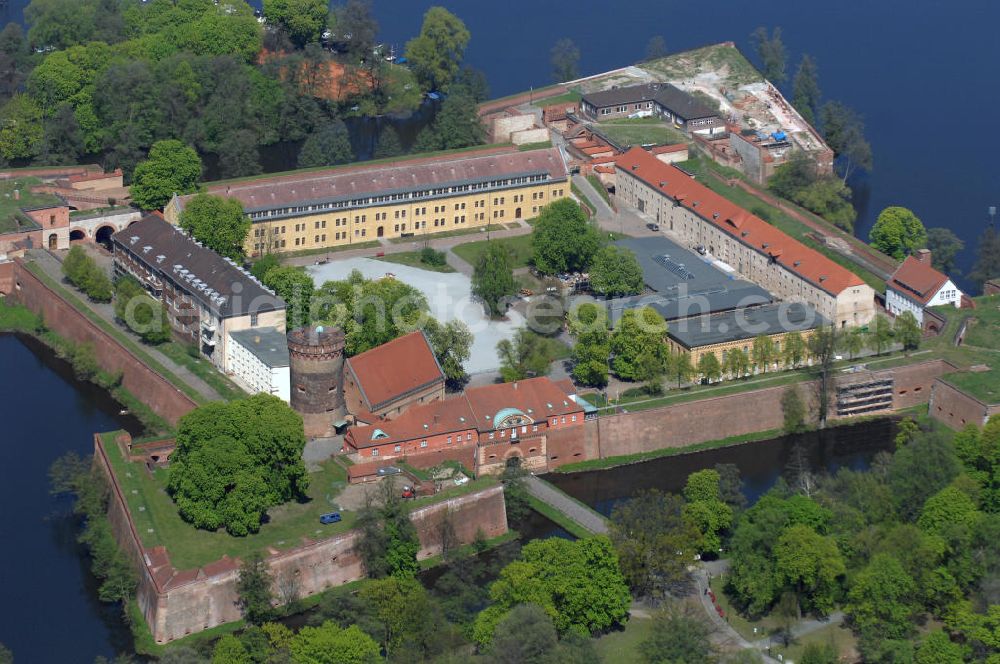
[[331, 517]]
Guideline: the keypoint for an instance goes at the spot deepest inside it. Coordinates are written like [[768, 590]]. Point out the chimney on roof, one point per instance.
[[436, 417], [923, 255]]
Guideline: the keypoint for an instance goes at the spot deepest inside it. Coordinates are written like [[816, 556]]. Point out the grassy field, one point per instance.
[[412, 258], [115, 332], [433, 236], [622, 647], [570, 97], [11, 218], [778, 219], [728, 62], [596, 183], [17, 318], [641, 131], [204, 369], [981, 346], [524, 147], [158, 522], [370, 244], [519, 247]]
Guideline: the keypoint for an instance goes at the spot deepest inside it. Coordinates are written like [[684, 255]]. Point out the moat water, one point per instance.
[[50, 611]]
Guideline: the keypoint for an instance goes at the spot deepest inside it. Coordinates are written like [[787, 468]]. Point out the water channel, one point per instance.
[[49, 592]]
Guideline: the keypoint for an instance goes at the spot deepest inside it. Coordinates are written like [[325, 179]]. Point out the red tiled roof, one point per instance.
[[752, 231], [663, 149], [917, 280], [537, 398], [604, 169], [437, 417], [394, 369]]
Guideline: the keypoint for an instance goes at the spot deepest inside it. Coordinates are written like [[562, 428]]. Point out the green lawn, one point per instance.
[[158, 522], [567, 98], [430, 235], [641, 131], [980, 347], [519, 247], [622, 647], [17, 318], [370, 244], [412, 258], [204, 369], [11, 217], [596, 183], [524, 147]]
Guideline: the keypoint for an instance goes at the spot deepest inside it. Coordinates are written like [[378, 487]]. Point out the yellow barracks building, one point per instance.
[[357, 204]]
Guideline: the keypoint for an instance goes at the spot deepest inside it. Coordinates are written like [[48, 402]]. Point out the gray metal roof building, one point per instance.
[[768, 319], [668, 96], [267, 344], [683, 284]]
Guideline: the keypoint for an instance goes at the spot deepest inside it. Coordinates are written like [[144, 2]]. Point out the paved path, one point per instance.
[[582, 515], [53, 268]]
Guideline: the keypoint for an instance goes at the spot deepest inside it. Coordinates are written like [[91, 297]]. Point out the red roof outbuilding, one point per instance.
[[917, 280], [395, 369]]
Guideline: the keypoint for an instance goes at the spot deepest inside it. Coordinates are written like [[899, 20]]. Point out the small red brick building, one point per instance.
[[387, 380], [500, 421]]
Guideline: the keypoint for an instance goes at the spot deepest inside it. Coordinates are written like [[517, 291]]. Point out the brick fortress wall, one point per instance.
[[176, 603], [714, 419], [950, 405], [62, 318]]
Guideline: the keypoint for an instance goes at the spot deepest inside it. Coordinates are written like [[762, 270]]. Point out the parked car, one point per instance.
[[653, 227], [330, 517], [460, 480], [388, 470]]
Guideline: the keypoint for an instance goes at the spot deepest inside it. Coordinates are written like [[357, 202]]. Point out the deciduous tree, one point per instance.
[[563, 239], [811, 564], [762, 352], [987, 264], [254, 589], [637, 331], [678, 636], [615, 272], [493, 279], [880, 334], [793, 350], [171, 168], [326, 146], [656, 47], [303, 20], [565, 58], [218, 223], [709, 367], [944, 246], [844, 132], [771, 52], [452, 344], [793, 409], [907, 331], [331, 644], [898, 232], [805, 89], [528, 355], [435, 55], [881, 600]]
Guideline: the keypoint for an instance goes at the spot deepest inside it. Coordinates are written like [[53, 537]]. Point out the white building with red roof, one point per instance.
[[916, 285]]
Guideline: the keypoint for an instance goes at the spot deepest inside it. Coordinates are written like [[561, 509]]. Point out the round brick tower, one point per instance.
[[316, 368]]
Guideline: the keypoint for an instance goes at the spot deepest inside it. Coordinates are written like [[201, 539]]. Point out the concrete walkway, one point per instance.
[[53, 268], [580, 514]]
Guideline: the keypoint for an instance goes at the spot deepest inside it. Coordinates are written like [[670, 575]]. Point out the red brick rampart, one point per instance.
[[65, 320], [955, 408], [176, 603]]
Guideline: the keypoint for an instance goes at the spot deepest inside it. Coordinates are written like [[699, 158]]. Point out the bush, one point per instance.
[[140, 312], [83, 272], [430, 256]]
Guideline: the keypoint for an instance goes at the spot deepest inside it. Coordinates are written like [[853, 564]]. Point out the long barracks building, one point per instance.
[[352, 205], [755, 249]]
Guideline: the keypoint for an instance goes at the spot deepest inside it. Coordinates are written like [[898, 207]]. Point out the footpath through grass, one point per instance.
[[204, 369], [116, 333]]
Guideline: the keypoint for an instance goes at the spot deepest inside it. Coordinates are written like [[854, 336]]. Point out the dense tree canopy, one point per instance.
[[172, 168], [435, 55], [944, 246], [326, 146], [615, 271], [235, 460], [577, 583], [898, 232], [303, 20], [637, 343], [563, 239], [827, 196], [527, 355], [565, 59], [771, 51], [218, 223], [452, 344], [295, 287], [493, 279]]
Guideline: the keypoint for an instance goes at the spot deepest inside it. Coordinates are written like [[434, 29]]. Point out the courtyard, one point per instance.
[[449, 297]]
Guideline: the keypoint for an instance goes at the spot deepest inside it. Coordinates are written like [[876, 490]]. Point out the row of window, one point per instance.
[[411, 195]]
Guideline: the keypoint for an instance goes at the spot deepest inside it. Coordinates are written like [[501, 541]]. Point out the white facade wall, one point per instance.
[[254, 374], [897, 302]]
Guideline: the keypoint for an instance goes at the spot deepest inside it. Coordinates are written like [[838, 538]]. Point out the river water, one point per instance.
[[896, 62], [50, 611]]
